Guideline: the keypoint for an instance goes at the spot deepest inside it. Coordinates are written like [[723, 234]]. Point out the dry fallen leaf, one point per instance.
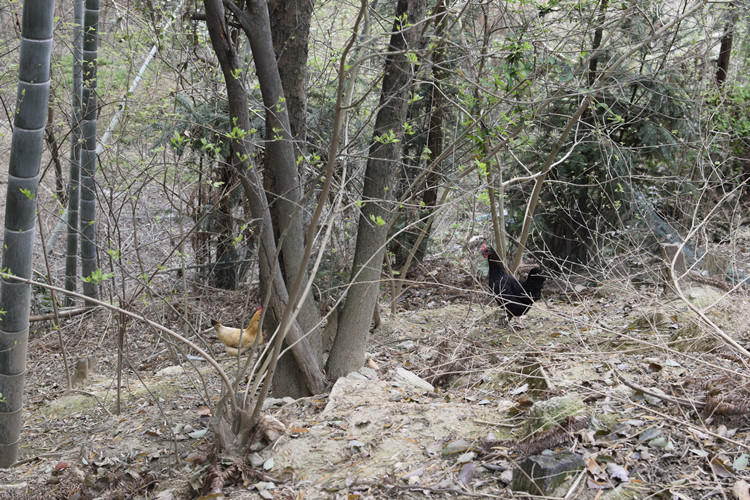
[[467, 473], [721, 469], [617, 472]]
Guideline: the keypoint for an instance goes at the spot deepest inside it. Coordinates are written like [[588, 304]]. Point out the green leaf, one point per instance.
[[377, 220], [27, 193], [97, 277]]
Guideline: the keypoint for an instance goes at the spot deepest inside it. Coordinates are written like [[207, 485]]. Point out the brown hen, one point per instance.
[[231, 337]]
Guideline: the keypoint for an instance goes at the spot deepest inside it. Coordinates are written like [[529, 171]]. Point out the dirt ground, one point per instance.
[[666, 401]]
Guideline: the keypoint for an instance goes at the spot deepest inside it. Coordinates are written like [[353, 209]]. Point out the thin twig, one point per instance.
[[61, 313]]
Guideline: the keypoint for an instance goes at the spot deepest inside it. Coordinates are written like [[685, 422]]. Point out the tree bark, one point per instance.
[[725, 51], [20, 215], [307, 363], [290, 30], [347, 353], [89, 263], [224, 272], [279, 46], [593, 63], [286, 207], [437, 103], [74, 182]]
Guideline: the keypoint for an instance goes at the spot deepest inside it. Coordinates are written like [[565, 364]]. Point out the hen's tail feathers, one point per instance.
[[534, 283]]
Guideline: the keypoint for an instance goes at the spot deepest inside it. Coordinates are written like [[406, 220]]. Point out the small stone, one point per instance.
[[413, 380], [415, 473], [662, 443], [256, 460], [170, 371], [269, 402], [541, 474], [355, 445], [649, 434], [264, 485], [257, 445], [369, 373], [467, 473], [623, 492], [200, 433], [653, 399], [550, 413], [166, 494], [507, 476], [268, 464], [455, 447]]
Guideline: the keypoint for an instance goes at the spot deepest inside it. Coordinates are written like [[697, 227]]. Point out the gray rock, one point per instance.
[[550, 413], [541, 474], [455, 447], [269, 402], [654, 400], [256, 460], [405, 376]]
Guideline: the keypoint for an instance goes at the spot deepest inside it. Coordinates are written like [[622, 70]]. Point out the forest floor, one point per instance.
[[666, 402]]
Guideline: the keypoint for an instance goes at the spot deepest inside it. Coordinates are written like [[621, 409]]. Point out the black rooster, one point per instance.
[[514, 297]]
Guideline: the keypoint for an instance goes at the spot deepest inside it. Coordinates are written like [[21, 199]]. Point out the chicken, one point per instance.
[[514, 297], [231, 337]]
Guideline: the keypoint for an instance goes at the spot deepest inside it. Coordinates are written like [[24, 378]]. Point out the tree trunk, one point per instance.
[[20, 215], [290, 29], [593, 63], [281, 167], [224, 271], [725, 51], [74, 192], [437, 113], [88, 150], [347, 353], [411, 246], [308, 365]]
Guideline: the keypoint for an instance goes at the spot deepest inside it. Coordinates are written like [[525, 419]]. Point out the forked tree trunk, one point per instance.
[[308, 365], [348, 351], [285, 38], [20, 216]]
